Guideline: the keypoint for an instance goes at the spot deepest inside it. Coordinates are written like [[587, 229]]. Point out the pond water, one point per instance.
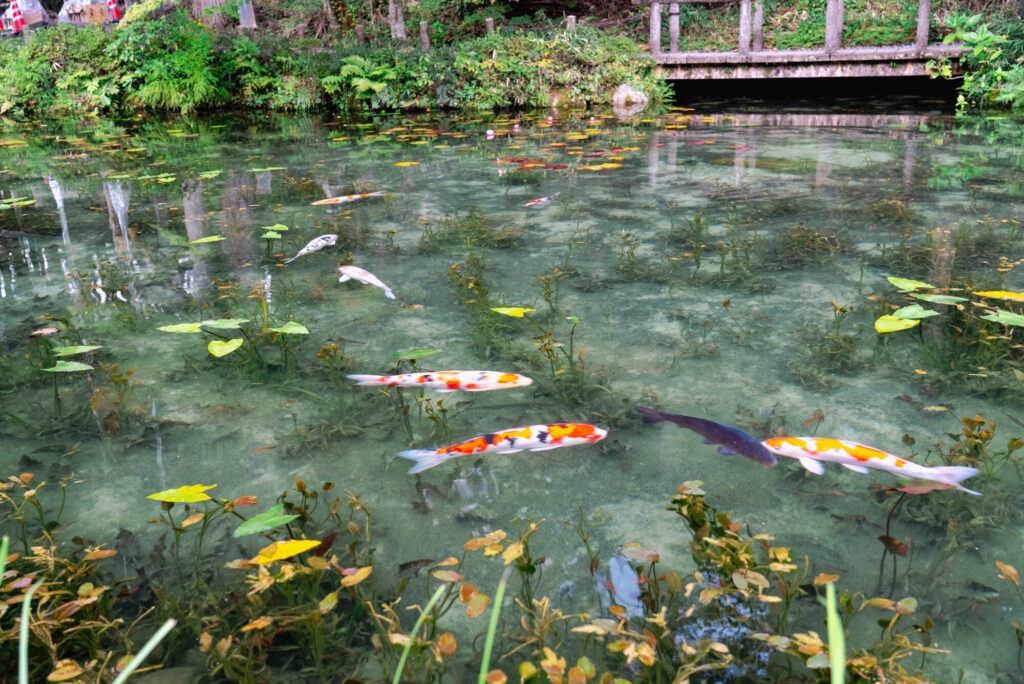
[[714, 261]]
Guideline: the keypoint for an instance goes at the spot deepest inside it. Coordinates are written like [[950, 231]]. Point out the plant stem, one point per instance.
[[26, 610], [145, 651], [412, 635], [492, 627]]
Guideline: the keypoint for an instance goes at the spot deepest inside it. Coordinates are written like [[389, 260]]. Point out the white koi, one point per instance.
[[365, 277], [315, 245]]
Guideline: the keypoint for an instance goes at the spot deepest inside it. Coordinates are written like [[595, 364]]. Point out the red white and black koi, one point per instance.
[[531, 437], [349, 198], [449, 381], [542, 200], [365, 277], [315, 245]]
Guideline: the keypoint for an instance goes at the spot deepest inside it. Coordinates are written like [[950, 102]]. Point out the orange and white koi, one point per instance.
[[531, 437], [349, 198], [314, 245], [449, 381], [542, 200], [365, 277], [811, 451]]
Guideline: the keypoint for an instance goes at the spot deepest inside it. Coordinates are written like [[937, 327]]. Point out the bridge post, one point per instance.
[[655, 40], [673, 27], [833, 25], [758, 39], [744, 26], [924, 16]]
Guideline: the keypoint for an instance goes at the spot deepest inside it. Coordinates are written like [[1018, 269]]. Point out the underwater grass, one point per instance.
[[492, 626], [146, 650], [412, 635], [836, 638]]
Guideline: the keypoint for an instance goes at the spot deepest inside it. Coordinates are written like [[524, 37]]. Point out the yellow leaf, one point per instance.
[[284, 549], [258, 623], [446, 644], [220, 348], [357, 577], [1002, 294], [887, 324], [447, 575], [408, 163], [328, 602], [450, 560], [513, 551], [65, 670], [187, 494], [493, 550], [514, 311], [192, 519], [477, 604]]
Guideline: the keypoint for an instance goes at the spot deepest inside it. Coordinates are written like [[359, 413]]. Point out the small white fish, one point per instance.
[[315, 244], [364, 277]]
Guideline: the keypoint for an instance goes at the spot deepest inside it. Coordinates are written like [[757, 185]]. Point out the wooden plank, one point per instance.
[[833, 24], [757, 41], [655, 39], [673, 27], [854, 54], [924, 16], [744, 26]]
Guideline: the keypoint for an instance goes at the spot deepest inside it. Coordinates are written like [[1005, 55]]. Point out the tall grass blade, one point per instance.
[[145, 650], [412, 635], [4, 543], [26, 610], [485, 663], [836, 637]]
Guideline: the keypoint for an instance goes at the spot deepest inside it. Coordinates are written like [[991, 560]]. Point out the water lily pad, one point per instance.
[[220, 348], [68, 367], [914, 311], [1005, 317], [211, 238], [887, 324], [515, 311], [291, 328], [185, 494], [267, 520], [1002, 294], [271, 235], [939, 299], [908, 285], [414, 354], [71, 351], [181, 328], [284, 549], [223, 323], [279, 227]]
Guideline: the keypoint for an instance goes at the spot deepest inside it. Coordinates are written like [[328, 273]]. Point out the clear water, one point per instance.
[[808, 207]]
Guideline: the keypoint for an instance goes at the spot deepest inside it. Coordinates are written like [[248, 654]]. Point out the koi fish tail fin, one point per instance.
[[292, 259], [652, 415], [389, 293], [954, 475], [378, 193], [368, 379], [425, 459]]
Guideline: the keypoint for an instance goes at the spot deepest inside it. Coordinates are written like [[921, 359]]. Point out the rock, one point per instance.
[[628, 101]]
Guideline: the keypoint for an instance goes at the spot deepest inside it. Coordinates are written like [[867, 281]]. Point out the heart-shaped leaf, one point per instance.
[[914, 311], [185, 494], [211, 238], [1005, 317], [515, 311], [939, 299], [68, 367], [908, 285], [267, 520], [181, 328], [220, 348], [224, 323], [291, 328], [888, 324], [71, 351]]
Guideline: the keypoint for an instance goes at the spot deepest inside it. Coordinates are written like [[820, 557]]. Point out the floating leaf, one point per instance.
[[1002, 294], [914, 311], [68, 367], [220, 348], [407, 163], [181, 328], [210, 238], [887, 324], [70, 351], [185, 494], [414, 354], [291, 328], [207, 175], [515, 311], [284, 549], [267, 520], [271, 235], [908, 285], [939, 299], [224, 323], [279, 227], [1005, 317], [357, 576]]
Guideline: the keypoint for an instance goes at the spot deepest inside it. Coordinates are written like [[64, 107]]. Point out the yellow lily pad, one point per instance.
[[185, 494], [514, 311], [284, 549], [888, 324], [221, 348]]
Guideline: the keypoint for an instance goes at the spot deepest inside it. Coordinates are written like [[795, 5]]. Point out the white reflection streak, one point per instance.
[[46, 264], [72, 281], [26, 251], [266, 291], [58, 197], [159, 449], [3, 286]]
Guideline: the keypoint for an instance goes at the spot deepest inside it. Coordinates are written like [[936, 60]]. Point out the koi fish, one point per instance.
[[811, 451], [348, 198], [733, 441], [315, 245], [542, 200], [364, 277], [532, 437], [449, 381]]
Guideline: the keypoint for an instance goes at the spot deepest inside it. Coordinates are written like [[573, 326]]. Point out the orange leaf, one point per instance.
[[495, 677], [192, 519], [824, 579], [65, 670], [447, 575], [467, 591], [1009, 572], [476, 605], [258, 623], [475, 543], [100, 554], [245, 501], [450, 560], [446, 644], [357, 577], [577, 676]]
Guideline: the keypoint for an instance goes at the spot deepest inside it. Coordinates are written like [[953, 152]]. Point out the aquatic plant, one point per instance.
[[470, 230], [826, 352]]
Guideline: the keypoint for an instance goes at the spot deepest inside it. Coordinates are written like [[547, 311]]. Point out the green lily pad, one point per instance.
[[1005, 317], [68, 367], [291, 328], [939, 299], [271, 235], [221, 348], [207, 175], [223, 323], [211, 238], [414, 354], [24, 203], [267, 520], [887, 324], [181, 328], [71, 351], [914, 311], [908, 285], [279, 227]]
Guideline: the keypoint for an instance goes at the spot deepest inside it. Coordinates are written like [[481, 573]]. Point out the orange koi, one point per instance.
[[348, 198], [531, 437]]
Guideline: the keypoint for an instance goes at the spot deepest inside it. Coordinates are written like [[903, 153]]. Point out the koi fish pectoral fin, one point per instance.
[[855, 468], [546, 447], [510, 451], [812, 465], [344, 278]]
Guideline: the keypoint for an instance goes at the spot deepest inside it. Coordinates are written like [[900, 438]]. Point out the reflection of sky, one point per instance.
[[115, 253]]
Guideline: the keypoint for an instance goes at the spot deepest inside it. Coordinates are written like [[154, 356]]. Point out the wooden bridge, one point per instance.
[[751, 60]]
